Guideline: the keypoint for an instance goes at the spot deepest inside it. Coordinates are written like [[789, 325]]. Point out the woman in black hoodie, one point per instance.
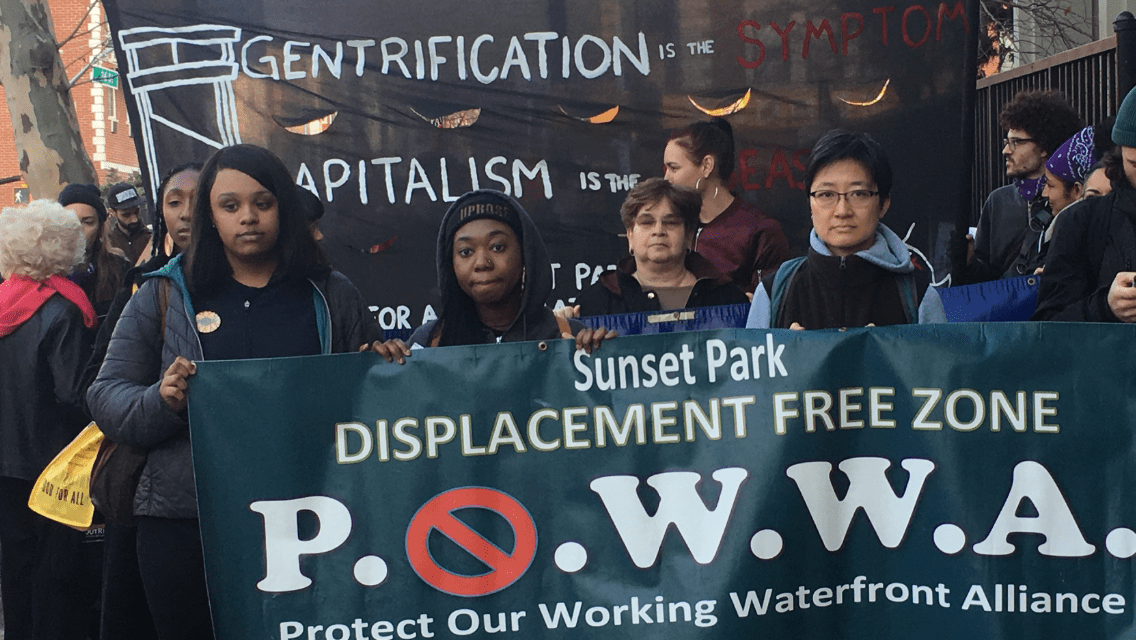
[[494, 276]]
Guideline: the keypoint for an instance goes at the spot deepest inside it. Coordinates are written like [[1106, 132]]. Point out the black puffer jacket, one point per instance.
[[1091, 244], [40, 367], [124, 399], [619, 292]]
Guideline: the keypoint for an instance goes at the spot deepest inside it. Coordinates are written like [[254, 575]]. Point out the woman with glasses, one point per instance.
[[857, 272]]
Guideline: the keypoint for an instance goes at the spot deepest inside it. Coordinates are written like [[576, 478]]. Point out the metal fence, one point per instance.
[[1087, 75]]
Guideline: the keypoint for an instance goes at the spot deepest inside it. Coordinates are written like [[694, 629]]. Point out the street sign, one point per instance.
[[102, 75], [21, 195]]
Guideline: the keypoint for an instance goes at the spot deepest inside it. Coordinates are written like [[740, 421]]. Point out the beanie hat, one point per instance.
[[479, 205], [84, 194], [1073, 158], [1124, 131]]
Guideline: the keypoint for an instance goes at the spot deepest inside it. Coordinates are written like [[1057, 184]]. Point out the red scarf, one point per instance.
[[21, 297]]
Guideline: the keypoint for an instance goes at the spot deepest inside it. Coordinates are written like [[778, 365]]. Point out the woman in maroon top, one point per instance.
[[733, 235]]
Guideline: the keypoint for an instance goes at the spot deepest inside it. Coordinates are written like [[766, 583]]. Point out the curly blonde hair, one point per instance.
[[39, 240]]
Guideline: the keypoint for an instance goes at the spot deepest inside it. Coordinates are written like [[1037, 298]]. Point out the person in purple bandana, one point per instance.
[[1036, 124], [1064, 184]]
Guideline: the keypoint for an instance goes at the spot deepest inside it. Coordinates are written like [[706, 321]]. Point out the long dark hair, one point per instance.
[[206, 266], [712, 138], [158, 241]]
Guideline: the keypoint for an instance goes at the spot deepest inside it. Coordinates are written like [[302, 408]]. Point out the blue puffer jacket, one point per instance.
[[124, 398]]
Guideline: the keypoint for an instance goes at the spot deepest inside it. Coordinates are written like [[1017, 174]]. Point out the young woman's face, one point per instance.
[[487, 261], [177, 206], [1060, 193], [246, 215], [89, 220], [680, 169], [1097, 184]]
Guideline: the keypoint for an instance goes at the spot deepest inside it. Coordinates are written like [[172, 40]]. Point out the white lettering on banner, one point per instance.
[[283, 545], [868, 489], [637, 612], [591, 57], [679, 504], [416, 182], [1054, 519]]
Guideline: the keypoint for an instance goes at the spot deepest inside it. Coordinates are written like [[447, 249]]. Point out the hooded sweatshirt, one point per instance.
[[534, 321], [828, 291]]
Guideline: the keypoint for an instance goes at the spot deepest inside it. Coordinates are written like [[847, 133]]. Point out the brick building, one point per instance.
[[101, 109]]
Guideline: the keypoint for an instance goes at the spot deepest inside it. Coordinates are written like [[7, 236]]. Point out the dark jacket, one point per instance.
[[40, 367], [1002, 229], [124, 398], [828, 291], [743, 243], [134, 278], [619, 292], [1091, 244], [534, 321]]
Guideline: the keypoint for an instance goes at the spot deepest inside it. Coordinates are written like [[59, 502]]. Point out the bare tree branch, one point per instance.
[[104, 51], [79, 24]]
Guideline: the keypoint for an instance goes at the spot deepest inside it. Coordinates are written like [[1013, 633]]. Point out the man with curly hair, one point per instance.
[[1036, 124], [45, 341]]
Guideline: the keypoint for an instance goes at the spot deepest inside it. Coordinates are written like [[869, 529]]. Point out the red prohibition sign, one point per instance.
[[505, 568]]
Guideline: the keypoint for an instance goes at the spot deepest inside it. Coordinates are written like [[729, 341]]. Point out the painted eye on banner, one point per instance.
[[455, 120], [725, 106], [880, 96], [312, 127], [600, 118]]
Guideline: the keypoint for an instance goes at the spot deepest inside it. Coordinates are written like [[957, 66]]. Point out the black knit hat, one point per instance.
[[478, 205], [84, 194]]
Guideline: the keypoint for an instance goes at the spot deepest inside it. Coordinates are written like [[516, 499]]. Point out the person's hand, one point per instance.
[[796, 326], [394, 350], [566, 311], [175, 383], [1122, 296], [590, 339], [959, 245]]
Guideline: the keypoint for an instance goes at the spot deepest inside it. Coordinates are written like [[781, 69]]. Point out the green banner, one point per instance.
[[954, 481]]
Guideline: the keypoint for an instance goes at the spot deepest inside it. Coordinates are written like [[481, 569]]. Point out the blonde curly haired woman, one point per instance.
[[45, 340]]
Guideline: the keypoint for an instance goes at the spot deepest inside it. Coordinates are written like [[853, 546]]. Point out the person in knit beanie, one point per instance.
[[1090, 272]]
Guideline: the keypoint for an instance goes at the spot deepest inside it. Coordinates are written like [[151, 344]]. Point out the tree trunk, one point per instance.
[[48, 141]]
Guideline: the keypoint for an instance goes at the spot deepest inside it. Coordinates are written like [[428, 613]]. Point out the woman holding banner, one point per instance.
[[494, 276], [662, 272], [739, 240], [857, 272], [252, 284]]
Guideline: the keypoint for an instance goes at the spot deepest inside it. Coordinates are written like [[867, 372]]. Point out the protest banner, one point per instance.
[[951, 481], [390, 111]]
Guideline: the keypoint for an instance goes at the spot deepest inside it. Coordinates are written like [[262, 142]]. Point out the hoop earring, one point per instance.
[[696, 184], [715, 191]]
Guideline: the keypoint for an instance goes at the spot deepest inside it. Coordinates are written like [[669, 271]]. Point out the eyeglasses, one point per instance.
[[856, 198], [1013, 143]]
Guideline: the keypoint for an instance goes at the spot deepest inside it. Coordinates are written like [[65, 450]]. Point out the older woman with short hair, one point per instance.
[[661, 272], [45, 340]]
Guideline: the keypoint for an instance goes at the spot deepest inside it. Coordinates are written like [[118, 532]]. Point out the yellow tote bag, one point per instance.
[[62, 491]]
